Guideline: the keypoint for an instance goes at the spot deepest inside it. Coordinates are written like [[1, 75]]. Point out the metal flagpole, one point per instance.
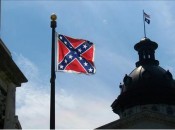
[[53, 76], [144, 24], [0, 18]]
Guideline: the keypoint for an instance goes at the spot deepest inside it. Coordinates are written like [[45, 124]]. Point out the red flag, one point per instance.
[[75, 55]]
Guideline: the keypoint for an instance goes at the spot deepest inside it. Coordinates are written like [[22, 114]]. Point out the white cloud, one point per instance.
[[33, 112], [73, 110], [29, 68]]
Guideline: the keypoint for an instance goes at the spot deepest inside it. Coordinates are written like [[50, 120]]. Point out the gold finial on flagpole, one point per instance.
[[53, 17]]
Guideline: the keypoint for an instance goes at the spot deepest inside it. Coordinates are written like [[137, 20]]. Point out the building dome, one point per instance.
[[148, 83]]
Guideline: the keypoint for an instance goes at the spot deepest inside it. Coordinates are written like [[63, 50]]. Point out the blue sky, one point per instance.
[[113, 26]]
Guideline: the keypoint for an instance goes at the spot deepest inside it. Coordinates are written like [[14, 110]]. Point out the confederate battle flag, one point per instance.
[[75, 55]]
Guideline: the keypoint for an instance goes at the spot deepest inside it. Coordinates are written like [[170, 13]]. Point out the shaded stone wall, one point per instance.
[[3, 95], [10, 78]]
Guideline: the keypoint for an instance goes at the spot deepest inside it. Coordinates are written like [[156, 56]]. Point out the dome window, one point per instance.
[[127, 80], [154, 108], [146, 75], [169, 110]]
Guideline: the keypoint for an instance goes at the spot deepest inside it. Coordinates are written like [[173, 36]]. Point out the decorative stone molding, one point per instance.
[[10, 78], [145, 117], [157, 108]]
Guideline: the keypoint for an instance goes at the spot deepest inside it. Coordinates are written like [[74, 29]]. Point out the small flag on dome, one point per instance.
[[75, 55], [147, 18]]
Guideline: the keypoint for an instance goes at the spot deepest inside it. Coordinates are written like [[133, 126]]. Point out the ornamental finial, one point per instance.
[[53, 17]]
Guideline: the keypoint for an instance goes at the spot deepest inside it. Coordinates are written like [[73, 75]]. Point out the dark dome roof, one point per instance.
[[148, 83], [147, 76]]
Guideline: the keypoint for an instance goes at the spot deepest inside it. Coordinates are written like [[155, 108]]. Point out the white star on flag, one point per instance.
[[61, 66], [80, 50], [85, 46], [85, 64], [90, 70], [80, 58], [70, 56]]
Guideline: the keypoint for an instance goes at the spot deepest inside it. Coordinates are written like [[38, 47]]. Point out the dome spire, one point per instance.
[[146, 49]]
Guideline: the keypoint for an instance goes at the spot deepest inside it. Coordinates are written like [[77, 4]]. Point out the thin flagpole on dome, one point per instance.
[[144, 24]]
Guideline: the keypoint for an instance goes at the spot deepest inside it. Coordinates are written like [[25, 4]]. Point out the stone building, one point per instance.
[[147, 98], [10, 78]]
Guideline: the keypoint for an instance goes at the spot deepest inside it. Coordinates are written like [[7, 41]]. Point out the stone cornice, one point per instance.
[[8, 67], [126, 122], [149, 116]]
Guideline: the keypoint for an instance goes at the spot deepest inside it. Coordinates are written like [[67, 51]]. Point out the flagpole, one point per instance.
[[0, 18], [53, 76], [144, 24]]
